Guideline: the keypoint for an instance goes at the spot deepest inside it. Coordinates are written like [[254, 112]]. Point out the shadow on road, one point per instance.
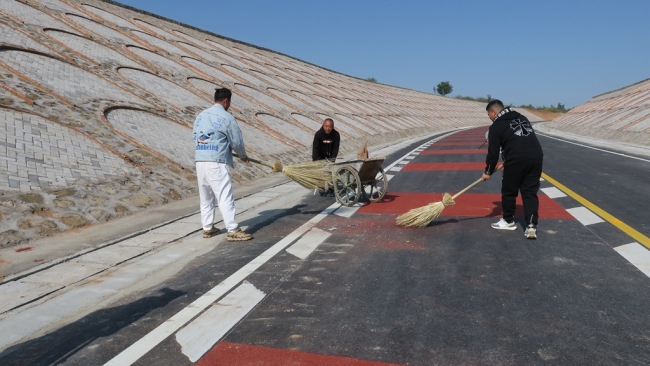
[[56, 347]]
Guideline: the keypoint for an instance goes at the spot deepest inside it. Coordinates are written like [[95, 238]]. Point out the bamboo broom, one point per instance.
[[311, 175], [422, 216]]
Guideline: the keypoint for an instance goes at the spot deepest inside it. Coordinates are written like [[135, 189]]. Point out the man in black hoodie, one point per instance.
[[326, 142], [522, 159]]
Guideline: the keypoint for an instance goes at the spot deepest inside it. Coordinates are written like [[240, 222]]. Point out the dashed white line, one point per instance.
[[584, 215], [200, 335], [553, 192], [308, 243], [636, 254]]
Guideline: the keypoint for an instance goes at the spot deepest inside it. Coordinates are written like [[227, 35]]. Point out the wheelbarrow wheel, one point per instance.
[[347, 186], [376, 190]]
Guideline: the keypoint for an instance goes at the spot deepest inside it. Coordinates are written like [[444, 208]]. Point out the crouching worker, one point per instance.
[[326, 142]]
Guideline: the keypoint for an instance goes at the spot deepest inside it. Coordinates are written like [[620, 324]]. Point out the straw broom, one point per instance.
[[422, 216], [311, 175]]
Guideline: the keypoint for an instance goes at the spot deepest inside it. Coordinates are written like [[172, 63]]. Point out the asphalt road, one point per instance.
[[356, 289]]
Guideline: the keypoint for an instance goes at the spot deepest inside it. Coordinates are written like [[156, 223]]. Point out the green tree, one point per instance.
[[444, 88], [372, 80]]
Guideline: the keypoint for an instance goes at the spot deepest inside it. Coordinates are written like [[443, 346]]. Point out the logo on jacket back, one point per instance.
[[205, 138], [522, 128]]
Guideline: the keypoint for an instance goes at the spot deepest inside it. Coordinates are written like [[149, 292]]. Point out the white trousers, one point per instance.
[[215, 184]]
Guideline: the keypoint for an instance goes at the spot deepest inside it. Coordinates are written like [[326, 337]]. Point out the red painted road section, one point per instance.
[[479, 167], [468, 204], [234, 354], [466, 143], [453, 152]]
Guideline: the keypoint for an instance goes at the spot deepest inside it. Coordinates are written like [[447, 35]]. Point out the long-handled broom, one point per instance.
[[311, 175], [422, 216], [275, 167]]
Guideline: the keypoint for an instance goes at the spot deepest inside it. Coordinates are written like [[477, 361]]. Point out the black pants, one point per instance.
[[522, 176]]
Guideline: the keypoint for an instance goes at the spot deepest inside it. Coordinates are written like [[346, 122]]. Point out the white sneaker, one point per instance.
[[504, 225], [531, 232]]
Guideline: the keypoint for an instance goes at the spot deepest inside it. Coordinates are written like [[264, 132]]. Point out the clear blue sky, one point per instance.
[[522, 52]]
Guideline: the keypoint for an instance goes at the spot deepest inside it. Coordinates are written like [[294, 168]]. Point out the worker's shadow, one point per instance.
[[268, 217]]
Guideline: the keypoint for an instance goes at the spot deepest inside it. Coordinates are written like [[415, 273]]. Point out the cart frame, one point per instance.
[[354, 178]]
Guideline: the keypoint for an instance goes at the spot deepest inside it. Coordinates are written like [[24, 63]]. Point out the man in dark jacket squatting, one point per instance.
[[326, 142], [522, 159]]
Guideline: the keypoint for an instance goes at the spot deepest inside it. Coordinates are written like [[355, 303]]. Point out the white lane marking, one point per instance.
[[409, 157], [553, 192], [595, 148], [636, 254], [395, 169], [584, 215], [308, 243], [389, 176], [204, 332], [347, 212], [153, 338]]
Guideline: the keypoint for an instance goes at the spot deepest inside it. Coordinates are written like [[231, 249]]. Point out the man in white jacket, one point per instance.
[[215, 134]]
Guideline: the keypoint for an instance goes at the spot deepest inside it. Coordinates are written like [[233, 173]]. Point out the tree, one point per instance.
[[372, 80], [444, 88]]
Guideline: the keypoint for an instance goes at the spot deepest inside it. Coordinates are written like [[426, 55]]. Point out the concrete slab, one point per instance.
[[149, 240], [112, 255], [16, 293], [179, 229], [267, 193], [65, 274]]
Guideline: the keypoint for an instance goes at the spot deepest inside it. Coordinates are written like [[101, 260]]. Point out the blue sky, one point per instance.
[[522, 52]]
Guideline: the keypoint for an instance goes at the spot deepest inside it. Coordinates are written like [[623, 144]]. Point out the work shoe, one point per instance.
[[212, 232], [531, 232], [239, 235], [504, 225]]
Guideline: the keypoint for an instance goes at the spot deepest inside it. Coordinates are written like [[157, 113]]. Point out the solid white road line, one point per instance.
[[595, 148], [149, 341], [584, 215], [204, 332], [636, 254], [553, 192], [308, 243], [389, 176]]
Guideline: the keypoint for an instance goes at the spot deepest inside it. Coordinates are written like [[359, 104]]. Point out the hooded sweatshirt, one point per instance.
[[512, 132], [326, 146]]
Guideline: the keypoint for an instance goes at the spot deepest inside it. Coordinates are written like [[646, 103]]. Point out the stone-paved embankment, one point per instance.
[[620, 115]]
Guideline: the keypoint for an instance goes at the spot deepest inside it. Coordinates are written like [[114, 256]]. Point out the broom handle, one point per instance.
[[255, 161], [473, 184]]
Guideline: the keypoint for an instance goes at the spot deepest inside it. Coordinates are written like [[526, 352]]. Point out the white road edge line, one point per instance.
[[205, 331], [153, 338]]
